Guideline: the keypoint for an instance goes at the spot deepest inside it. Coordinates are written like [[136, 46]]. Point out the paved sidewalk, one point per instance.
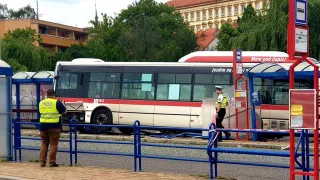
[[32, 171]]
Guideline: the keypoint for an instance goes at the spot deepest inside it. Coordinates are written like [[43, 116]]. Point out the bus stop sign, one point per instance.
[[302, 108]]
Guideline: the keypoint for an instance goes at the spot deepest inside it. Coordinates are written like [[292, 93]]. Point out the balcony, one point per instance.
[[56, 40]]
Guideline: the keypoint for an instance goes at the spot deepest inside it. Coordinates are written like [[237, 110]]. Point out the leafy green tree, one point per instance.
[[24, 12], [145, 31], [25, 36], [267, 31], [21, 53], [225, 36], [153, 31]]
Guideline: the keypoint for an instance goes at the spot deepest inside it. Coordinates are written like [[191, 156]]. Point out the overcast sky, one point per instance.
[[72, 12]]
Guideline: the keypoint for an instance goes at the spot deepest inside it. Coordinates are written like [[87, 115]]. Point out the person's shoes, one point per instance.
[[43, 165], [54, 165]]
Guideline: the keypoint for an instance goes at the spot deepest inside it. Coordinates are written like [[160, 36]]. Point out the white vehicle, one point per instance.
[[161, 94]]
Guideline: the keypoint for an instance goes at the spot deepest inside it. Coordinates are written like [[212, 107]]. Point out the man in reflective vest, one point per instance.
[[50, 127], [221, 105]]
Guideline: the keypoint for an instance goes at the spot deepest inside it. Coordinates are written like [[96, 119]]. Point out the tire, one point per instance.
[[101, 117], [126, 131]]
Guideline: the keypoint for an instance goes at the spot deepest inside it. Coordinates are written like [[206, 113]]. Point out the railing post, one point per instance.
[[139, 146], [70, 141], [15, 138], [135, 146], [75, 125]]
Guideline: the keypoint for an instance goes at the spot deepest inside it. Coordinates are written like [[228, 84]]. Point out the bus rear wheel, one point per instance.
[[101, 117]]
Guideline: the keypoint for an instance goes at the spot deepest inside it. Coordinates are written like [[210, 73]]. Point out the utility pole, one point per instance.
[[37, 10]]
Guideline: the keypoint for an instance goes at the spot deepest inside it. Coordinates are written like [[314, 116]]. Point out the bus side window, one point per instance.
[[174, 87], [137, 86]]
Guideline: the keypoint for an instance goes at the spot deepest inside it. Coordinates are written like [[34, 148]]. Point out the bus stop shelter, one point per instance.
[[274, 71], [6, 73], [29, 89]]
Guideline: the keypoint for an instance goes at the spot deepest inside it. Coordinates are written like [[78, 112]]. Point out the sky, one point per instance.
[[72, 12]]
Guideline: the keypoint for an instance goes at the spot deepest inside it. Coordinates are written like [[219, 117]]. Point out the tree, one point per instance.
[[267, 31], [19, 51], [25, 36], [225, 36], [153, 31], [24, 12]]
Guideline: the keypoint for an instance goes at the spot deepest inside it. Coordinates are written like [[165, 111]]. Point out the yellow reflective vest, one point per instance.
[[224, 102], [48, 111]]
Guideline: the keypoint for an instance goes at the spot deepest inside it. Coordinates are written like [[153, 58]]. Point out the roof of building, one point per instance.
[[186, 3], [204, 38]]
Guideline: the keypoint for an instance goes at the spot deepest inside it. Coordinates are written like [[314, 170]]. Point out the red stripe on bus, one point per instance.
[[245, 59], [134, 102], [160, 103]]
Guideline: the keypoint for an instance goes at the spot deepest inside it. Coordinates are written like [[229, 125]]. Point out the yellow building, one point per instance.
[[204, 14], [54, 36]]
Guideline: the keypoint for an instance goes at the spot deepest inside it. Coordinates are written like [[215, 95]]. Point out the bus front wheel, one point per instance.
[[101, 117]]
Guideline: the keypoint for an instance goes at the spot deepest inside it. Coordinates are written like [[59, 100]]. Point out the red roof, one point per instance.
[[185, 3], [204, 38]]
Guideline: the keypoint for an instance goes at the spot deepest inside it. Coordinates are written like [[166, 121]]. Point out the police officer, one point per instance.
[[221, 105], [50, 127]]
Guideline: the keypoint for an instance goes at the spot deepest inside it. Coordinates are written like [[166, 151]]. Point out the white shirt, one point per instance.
[[220, 98]]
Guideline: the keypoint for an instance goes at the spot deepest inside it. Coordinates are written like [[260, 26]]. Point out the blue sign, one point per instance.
[[301, 12], [238, 55]]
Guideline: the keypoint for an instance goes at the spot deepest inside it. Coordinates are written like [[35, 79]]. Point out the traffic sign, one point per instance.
[[240, 97], [301, 12], [238, 55]]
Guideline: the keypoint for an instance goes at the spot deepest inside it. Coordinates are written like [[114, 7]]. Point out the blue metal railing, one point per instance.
[[212, 147]]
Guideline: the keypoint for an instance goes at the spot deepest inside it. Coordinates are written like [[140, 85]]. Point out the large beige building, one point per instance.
[[204, 14]]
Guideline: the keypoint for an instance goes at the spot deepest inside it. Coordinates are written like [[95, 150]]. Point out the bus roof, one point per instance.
[[227, 57], [173, 64]]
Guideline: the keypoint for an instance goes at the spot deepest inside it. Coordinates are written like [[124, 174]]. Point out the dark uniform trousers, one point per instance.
[[219, 120]]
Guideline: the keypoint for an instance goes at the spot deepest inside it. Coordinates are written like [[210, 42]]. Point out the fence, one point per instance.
[[212, 147]]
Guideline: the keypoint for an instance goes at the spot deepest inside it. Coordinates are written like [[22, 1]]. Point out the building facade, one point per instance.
[[204, 14], [54, 36]]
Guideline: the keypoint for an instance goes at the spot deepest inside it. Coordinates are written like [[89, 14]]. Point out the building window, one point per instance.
[[210, 13], [243, 6], [137, 86], [198, 16], [257, 5], [192, 16], [174, 87], [217, 12], [210, 25], [236, 10], [229, 11], [204, 15], [186, 17], [222, 11], [204, 27]]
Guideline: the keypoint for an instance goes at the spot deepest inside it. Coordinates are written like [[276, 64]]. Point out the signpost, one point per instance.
[[304, 107], [241, 97]]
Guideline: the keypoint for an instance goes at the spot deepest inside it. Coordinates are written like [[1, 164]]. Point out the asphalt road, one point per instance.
[[239, 172]]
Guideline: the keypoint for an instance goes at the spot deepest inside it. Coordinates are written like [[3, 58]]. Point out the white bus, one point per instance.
[[161, 94]]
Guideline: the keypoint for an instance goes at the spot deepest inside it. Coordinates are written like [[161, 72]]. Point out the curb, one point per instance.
[[180, 141]]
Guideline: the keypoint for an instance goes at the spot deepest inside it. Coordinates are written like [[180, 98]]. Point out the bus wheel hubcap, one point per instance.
[[102, 119]]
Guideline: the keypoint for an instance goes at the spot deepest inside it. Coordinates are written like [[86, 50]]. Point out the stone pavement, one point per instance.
[[32, 171]]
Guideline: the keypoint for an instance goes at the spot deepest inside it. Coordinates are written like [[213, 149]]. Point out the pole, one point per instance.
[[37, 10]]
